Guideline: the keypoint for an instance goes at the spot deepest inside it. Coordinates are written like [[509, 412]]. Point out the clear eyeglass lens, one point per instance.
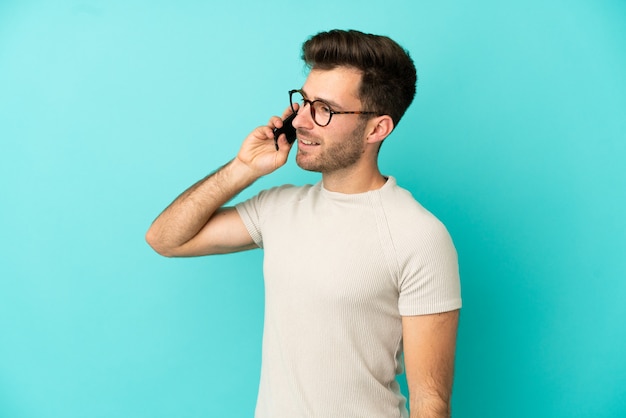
[[320, 111], [297, 97]]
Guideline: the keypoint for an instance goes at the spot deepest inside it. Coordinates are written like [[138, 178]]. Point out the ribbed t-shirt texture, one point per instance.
[[340, 271]]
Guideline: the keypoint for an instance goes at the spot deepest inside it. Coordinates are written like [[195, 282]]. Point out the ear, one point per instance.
[[379, 128]]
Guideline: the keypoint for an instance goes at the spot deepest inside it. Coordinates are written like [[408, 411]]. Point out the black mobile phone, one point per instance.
[[287, 129]]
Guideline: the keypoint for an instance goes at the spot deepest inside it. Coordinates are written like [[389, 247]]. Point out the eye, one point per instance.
[[322, 108]]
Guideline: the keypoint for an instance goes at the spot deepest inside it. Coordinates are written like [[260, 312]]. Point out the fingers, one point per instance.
[[282, 151], [263, 137], [272, 131], [288, 111], [282, 144], [263, 133], [262, 151], [276, 122]]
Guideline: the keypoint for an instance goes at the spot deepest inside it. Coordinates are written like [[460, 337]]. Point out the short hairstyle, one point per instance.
[[389, 76]]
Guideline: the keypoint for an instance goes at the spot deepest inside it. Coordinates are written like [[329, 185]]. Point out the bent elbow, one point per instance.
[[157, 245]]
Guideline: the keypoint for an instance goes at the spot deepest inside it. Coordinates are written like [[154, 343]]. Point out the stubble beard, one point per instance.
[[335, 157]]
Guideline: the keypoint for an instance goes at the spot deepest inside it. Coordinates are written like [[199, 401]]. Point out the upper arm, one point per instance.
[[429, 347], [224, 233]]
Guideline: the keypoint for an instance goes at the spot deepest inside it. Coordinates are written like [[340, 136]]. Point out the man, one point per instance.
[[360, 279]]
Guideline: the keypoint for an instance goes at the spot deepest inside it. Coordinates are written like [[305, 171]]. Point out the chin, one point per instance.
[[308, 166]]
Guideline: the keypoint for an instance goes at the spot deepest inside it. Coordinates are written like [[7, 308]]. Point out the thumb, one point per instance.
[[284, 148]]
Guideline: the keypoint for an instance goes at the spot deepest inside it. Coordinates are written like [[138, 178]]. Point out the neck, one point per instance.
[[353, 181]]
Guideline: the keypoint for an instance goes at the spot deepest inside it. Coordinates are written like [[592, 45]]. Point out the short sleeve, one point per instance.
[[256, 211], [429, 281], [251, 213]]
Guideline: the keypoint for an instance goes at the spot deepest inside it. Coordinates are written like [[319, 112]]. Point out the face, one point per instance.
[[340, 144]]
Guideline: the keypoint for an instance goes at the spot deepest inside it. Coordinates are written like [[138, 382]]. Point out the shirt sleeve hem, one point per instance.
[[448, 306]]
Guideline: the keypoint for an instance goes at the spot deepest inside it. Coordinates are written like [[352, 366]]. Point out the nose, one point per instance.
[[303, 119]]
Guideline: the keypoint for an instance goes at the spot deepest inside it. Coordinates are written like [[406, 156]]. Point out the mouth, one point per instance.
[[302, 140], [307, 142]]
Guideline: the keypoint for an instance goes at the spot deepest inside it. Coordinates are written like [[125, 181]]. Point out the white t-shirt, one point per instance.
[[340, 271]]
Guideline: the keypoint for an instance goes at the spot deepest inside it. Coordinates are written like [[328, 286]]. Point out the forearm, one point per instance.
[[429, 348], [433, 407], [189, 213]]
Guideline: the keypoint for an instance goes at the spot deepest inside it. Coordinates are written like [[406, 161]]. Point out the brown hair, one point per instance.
[[389, 76]]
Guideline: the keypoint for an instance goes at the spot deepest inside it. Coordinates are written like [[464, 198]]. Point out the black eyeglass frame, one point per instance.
[[330, 110]]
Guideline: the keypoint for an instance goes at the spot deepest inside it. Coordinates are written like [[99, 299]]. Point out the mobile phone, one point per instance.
[[287, 129]]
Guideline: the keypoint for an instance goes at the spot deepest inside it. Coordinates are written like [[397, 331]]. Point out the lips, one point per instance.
[[307, 142], [303, 140]]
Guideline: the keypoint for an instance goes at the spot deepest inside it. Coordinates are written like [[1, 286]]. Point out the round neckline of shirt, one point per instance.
[[391, 181]]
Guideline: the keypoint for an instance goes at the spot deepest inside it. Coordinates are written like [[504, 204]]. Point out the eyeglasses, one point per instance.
[[320, 110]]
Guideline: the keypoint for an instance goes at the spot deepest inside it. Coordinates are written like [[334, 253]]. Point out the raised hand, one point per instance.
[[258, 151]]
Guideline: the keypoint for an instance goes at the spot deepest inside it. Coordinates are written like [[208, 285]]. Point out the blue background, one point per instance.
[[109, 109]]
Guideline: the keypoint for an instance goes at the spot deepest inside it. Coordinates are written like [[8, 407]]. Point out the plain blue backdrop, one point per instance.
[[109, 109]]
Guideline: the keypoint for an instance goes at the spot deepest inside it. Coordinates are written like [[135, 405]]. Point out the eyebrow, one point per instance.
[[331, 103]]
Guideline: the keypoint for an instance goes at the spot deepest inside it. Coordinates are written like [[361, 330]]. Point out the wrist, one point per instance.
[[241, 171]]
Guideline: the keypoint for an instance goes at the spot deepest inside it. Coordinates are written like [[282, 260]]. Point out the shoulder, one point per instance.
[[412, 223], [426, 257], [401, 202], [279, 195], [267, 205]]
